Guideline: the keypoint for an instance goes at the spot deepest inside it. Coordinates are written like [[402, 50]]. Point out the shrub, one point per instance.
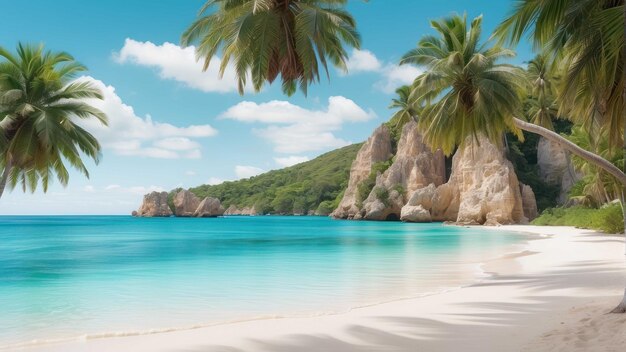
[[382, 194], [607, 219]]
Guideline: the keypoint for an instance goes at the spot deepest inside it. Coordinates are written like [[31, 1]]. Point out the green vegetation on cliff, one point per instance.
[[315, 185]]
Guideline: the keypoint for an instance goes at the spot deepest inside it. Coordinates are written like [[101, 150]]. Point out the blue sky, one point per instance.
[[173, 126]]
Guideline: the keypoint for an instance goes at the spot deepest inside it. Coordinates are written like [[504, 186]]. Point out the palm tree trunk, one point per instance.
[[621, 308], [573, 148], [589, 157], [5, 177]]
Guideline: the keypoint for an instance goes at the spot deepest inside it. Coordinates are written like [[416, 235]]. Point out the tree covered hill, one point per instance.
[[315, 185]]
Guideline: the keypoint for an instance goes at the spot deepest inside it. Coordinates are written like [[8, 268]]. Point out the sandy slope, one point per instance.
[[552, 296]]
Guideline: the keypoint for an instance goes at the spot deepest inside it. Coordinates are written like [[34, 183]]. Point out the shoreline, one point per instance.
[[478, 273], [336, 330]]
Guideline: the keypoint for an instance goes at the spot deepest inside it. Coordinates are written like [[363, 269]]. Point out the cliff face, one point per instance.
[[483, 189], [208, 208], [185, 203], [376, 149], [154, 205], [414, 167], [233, 210], [555, 167]]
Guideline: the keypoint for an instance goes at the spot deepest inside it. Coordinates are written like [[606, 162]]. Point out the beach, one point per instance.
[[550, 296]]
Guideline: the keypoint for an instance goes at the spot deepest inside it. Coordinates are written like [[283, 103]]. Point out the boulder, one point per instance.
[[154, 205], [376, 149], [133, 213], [414, 167], [529, 203], [555, 167], [209, 207], [415, 213], [234, 210], [185, 203]]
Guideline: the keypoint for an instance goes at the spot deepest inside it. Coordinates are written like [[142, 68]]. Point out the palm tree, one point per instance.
[[268, 38], [465, 91], [406, 108], [540, 105], [39, 105], [587, 38], [468, 92]]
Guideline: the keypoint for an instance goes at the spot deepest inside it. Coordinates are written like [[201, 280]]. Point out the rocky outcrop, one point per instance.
[[154, 205], [209, 208], [234, 210], [555, 167], [185, 203], [529, 203], [376, 149], [483, 189], [383, 204], [414, 167]]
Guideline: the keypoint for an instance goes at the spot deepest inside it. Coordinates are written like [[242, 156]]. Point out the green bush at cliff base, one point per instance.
[[608, 218]]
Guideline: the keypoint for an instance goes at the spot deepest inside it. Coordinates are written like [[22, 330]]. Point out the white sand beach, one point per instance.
[[552, 296]]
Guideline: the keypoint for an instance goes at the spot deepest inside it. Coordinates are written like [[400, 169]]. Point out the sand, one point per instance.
[[553, 295]]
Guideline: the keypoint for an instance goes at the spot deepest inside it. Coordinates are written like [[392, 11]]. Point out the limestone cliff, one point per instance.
[[376, 149], [483, 189], [414, 167], [209, 207], [233, 210], [154, 205], [555, 167], [185, 203]]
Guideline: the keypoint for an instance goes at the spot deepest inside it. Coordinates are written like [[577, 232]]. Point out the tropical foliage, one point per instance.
[[465, 90], [40, 103], [313, 185], [263, 39], [585, 38], [607, 218]]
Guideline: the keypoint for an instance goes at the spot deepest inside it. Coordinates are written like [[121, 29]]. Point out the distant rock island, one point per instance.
[[385, 179], [185, 204]]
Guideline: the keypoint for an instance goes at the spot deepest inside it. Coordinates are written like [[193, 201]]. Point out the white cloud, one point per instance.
[[214, 181], [395, 76], [89, 189], [112, 187], [392, 75], [247, 171], [190, 173], [290, 160], [132, 135], [179, 64], [293, 129], [363, 61]]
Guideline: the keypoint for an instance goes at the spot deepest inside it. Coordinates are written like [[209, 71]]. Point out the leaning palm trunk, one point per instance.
[[589, 157]]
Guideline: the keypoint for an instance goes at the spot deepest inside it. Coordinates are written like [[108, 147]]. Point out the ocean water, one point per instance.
[[65, 277]]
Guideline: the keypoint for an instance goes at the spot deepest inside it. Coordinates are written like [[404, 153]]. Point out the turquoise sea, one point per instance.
[[66, 277]]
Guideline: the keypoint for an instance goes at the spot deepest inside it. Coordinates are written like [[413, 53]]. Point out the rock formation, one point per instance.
[[555, 167], [233, 210], [376, 149], [414, 167], [185, 203], [208, 208], [483, 189], [154, 205], [529, 203]]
